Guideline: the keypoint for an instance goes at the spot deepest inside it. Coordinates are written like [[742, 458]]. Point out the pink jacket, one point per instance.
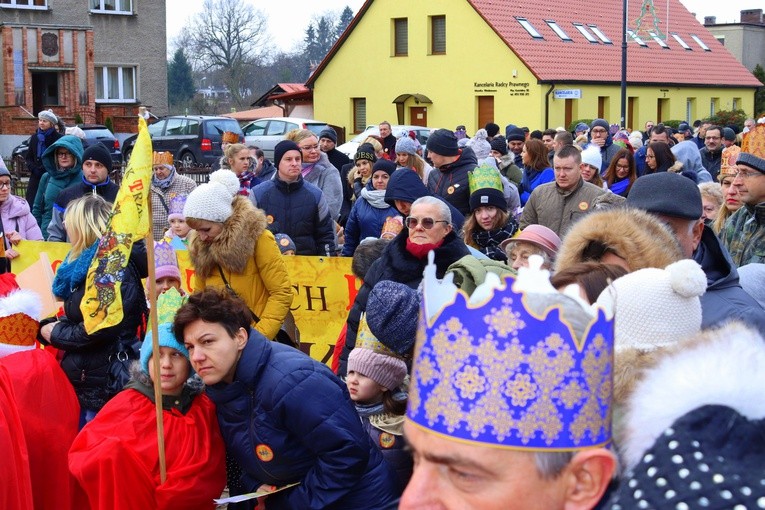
[[16, 215]]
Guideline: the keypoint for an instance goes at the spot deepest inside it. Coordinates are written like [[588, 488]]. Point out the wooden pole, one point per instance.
[[155, 346]]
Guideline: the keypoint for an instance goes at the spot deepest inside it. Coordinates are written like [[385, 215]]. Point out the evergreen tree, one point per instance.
[[759, 97], [311, 44], [180, 82], [345, 19], [325, 36]]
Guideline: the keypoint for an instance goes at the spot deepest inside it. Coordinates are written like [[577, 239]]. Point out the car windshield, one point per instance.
[[316, 128], [219, 126], [98, 133]]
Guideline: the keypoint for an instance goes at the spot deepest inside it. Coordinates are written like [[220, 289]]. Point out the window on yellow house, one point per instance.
[[359, 114], [400, 37], [438, 35]]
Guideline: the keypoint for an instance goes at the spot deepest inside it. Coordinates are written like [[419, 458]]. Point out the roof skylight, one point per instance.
[[529, 28], [586, 33], [636, 38], [658, 40], [600, 34], [681, 42], [558, 30], [700, 43]]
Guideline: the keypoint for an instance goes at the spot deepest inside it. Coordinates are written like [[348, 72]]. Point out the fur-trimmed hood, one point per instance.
[[717, 367], [235, 244], [641, 239]]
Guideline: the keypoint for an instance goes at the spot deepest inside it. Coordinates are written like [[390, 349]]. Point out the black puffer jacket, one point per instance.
[[398, 265], [86, 359], [450, 182]]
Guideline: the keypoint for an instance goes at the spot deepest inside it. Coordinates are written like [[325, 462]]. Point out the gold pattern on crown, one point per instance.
[[229, 137], [163, 158], [18, 329]]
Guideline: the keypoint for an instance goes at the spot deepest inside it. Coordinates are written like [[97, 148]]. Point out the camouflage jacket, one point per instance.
[[744, 235]]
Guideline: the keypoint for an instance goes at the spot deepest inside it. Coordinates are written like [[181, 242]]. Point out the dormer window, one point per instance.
[[529, 28]]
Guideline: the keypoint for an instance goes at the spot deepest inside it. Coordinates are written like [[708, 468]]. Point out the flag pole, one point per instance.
[[152, 281]]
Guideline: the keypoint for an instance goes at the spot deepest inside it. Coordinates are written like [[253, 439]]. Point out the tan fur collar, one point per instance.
[[235, 244]]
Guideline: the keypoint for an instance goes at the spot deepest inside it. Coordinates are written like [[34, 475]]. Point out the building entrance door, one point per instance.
[[418, 115], [485, 110], [44, 90]]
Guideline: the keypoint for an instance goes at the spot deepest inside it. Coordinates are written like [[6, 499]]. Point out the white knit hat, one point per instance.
[[591, 156], [656, 307], [212, 201]]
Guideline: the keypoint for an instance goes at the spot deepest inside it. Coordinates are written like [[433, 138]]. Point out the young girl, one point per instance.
[[489, 222], [179, 229], [370, 210], [361, 172], [166, 273], [374, 380]]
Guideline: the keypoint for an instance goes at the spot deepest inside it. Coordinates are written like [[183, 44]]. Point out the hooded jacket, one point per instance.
[[250, 259], [54, 181], [450, 182], [287, 418], [107, 189], [687, 153], [365, 220], [15, 215], [327, 178], [405, 185]]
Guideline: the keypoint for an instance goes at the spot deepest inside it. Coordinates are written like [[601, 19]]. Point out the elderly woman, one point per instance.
[[533, 240], [285, 418], [232, 248], [16, 221], [318, 170], [165, 184], [45, 135], [427, 227], [711, 201], [63, 168]]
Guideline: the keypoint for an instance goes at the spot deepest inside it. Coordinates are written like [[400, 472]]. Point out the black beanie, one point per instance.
[[283, 148], [491, 129], [443, 142], [515, 134], [386, 166], [98, 152], [328, 133], [499, 144], [365, 151], [488, 196]]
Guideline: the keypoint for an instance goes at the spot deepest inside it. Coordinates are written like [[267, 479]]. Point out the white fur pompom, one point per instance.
[[228, 178], [21, 301], [687, 278]]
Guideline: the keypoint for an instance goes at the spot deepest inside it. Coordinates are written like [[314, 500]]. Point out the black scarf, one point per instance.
[[488, 241]]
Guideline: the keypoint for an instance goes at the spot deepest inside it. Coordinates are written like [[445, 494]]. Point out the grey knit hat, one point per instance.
[[752, 161], [406, 145], [387, 371], [49, 116], [392, 310]]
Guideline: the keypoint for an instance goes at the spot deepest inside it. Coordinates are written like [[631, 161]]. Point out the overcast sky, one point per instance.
[[288, 19]]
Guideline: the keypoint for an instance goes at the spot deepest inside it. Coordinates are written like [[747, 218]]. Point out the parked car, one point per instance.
[[193, 139], [94, 133], [266, 133], [349, 147]]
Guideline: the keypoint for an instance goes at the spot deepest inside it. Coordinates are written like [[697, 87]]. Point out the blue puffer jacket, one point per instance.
[[299, 210], [365, 220], [286, 418], [406, 185]]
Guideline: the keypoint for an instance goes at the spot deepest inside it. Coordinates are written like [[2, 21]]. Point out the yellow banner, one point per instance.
[[324, 290]]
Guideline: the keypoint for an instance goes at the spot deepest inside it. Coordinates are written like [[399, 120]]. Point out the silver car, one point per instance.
[[266, 133], [349, 147]]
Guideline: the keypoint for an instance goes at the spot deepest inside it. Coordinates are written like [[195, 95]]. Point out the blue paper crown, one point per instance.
[[497, 374]]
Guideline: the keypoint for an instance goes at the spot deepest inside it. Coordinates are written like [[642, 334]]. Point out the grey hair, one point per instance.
[[547, 261], [550, 465], [443, 209]]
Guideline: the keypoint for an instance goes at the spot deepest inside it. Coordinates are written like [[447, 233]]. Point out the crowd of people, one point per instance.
[[539, 315]]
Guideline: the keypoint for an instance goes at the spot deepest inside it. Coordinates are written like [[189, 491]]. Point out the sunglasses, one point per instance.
[[427, 223]]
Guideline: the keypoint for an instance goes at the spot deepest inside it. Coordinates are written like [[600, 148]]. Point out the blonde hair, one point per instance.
[[298, 135], [712, 191], [233, 149], [374, 142], [86, 220], [416, 163]]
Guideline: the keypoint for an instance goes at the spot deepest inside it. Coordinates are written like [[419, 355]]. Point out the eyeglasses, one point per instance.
[[63, 154], [427, 223], [597, 131], [5, 185], [309, 148], [746, 174]]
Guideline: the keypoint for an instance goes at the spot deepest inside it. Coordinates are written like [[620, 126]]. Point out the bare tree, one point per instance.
[[230, 36]]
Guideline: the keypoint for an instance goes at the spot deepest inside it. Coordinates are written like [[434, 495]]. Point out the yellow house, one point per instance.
[[442, 63]]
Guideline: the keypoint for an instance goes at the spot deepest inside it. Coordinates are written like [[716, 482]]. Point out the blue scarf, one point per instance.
[[163, 183], [41, 135], [369, 409], [71, 273]]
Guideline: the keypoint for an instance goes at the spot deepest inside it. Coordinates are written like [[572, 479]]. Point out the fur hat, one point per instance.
[[492, 129], [656, 307], [636, 236], [285, 243], [165, 261], [406, 145], [374, 360], [365, 151], [668, 194], [175, 207], [212, 201], [98, 152], [328, 133], [49, 116], [392, 310], [591, 156], [499, 144], [443, 142], [19, 316]]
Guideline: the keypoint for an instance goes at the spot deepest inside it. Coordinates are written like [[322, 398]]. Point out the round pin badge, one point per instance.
[[269, 219], [450, 190], [387, 440], [583, 206], [284, 242], [264, 452]]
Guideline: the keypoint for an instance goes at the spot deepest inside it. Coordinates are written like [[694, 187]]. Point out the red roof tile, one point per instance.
[[553, 60]]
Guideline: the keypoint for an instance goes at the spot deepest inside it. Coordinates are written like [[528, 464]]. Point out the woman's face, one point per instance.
[[622, 168], [650, 159], [290, 166], [44, 124], [64, 158], [174, 369], [730, 194], [212, 351], [520, 252], [710, 208], [161, 172], [364, 166], [588, 172], [525, 156], [486, 216], [5, 188], [240, 162], [362, 388], [380, 180], [166, 283], [310, 149], [418, 234], [207, 231], [402, 158]]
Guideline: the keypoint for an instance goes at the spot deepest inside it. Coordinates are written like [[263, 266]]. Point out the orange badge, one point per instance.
[[284, 241], [583, 206], [387, 440], [269, 219], [450, 190], [264, 452]]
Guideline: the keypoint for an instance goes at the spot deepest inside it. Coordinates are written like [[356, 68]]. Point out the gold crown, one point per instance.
[[229, 137], [18, 329], [163, 158]]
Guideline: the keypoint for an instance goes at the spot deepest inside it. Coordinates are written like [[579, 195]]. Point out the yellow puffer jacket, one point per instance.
[[252, 263]]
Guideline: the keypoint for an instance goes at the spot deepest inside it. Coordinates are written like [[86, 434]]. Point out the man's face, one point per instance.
[[599, 133], [687, 232], [94, 171], [450, 475], [439, 160], [750, 184], [660, 137], [703, 130], [515, 146], [567, 172], [648, 126], [384, 130], [326, 144], [713, 139], [549, 142], [749, 124]]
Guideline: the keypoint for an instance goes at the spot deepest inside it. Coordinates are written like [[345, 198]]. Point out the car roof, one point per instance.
[[293, 119], [91, 126], [197, 117]]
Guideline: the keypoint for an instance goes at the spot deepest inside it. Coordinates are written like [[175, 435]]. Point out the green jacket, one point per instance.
[[470, 272], [55, 180], [744, 235]]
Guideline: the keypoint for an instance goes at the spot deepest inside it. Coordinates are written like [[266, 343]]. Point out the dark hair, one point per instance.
[[536, 135], [366, 253], [537, 152], [592, 277], [570, 151], [660, 129], [393, 406], [715, 126], [215, 306], [258, 151], [611, 171], [664, 157], [565, 138], [549, 132]]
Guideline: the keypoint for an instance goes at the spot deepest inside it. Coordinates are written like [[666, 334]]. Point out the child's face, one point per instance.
[[174, 369], [179, 227], [288, 252], [362, 388], [166, 283]]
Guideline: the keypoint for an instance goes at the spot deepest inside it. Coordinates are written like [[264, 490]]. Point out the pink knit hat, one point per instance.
[[538, 235], [372, 359], [165, 262]]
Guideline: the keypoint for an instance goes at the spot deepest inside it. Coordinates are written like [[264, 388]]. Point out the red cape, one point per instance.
[[116, 461], [15, 482]]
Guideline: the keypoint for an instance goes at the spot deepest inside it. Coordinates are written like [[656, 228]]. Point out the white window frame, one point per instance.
[[598, 32], [526, 24], [681, 42], [101, 9], [658, 40], [558, 30], [121, 99], [586, 33], [700, 42], [14, 5]]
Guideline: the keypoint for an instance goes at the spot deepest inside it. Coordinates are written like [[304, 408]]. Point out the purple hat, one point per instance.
[[175, 207], [165, 262]]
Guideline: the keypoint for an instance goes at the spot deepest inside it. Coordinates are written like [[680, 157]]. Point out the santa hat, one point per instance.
[[19, 316]]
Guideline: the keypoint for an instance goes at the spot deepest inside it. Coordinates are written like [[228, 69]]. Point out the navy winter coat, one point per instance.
[[450, 182], [287, 418], [364, 221], [299, 210], [406, 185]]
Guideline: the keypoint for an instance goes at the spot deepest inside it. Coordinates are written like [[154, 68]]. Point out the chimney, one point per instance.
[[710, 20], [752, 16]]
